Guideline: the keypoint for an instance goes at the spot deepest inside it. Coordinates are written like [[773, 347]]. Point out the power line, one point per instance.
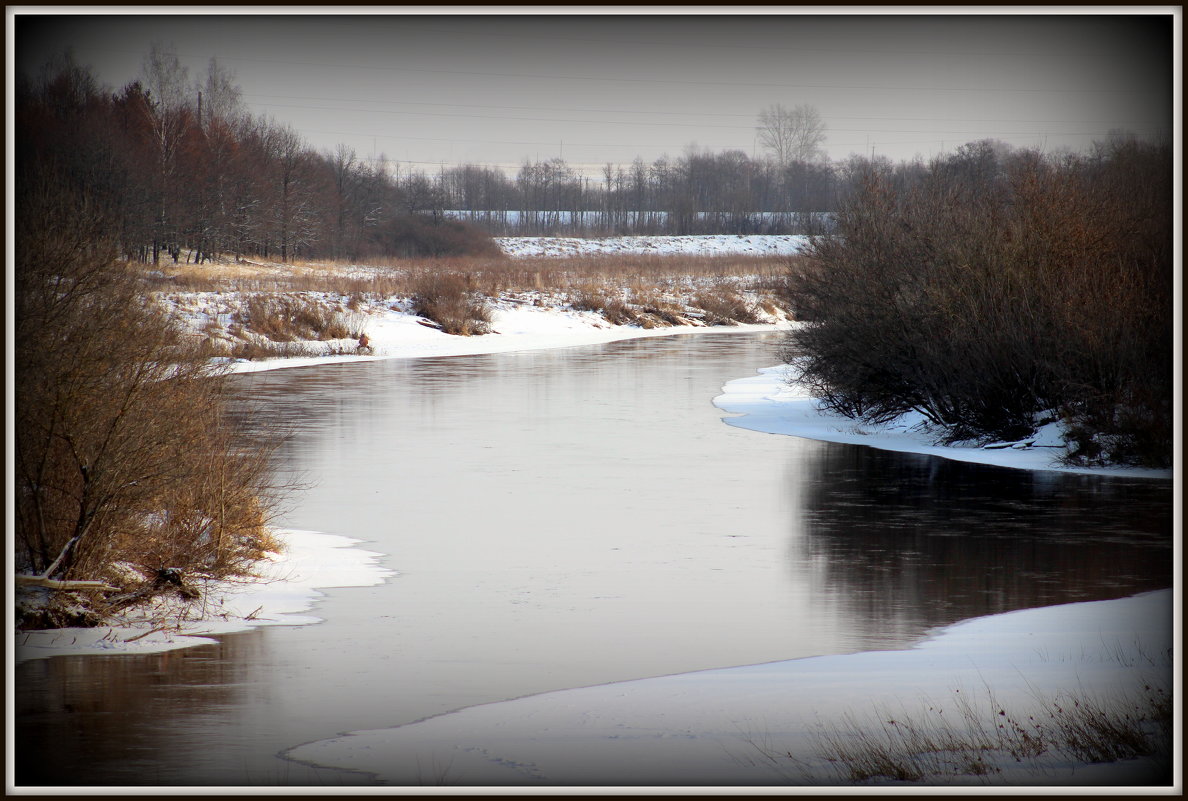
[[698, 113]]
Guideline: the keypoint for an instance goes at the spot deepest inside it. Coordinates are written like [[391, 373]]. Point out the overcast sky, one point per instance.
[[505, 88]]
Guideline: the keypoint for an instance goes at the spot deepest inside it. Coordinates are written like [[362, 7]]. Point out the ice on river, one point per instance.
[[719, 727]]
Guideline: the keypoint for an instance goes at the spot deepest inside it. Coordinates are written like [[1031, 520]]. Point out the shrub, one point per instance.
[[614, 309], [726, 307], [123, 450], [655, 311], [983, 304], [292, 317], [445, 298]]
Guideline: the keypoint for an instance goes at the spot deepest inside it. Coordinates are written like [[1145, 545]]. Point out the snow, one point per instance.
[[769, 402], [518, 325], [287, 586], [696, 245], [714, 727]]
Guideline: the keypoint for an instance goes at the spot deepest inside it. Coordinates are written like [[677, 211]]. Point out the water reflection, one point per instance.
[[173, 718], [905, 542]]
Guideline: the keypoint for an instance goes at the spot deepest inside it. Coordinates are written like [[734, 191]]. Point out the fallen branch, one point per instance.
[[58, 584], [147, 633]]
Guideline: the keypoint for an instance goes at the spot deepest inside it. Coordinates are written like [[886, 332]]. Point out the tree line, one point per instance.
[[180, 167], [184, 168]]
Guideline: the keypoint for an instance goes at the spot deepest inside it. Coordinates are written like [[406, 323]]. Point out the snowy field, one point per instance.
[[698, 245]]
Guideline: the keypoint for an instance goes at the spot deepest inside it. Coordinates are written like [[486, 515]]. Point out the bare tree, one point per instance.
[[168, 83], [794, 134], [220, 97]]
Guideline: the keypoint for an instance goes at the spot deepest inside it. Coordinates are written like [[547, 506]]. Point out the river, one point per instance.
[[572, 517]]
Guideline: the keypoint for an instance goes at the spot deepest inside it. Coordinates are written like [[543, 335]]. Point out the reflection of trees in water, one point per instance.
[[79, 717], [906, 542], [133, 720]]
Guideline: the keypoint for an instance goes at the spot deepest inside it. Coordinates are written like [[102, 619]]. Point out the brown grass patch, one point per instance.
[[448, 300]]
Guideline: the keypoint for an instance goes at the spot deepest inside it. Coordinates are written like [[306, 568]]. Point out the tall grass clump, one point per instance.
[[997, 292], [293, 317], [447, 299], [971, 737], [726, 307]]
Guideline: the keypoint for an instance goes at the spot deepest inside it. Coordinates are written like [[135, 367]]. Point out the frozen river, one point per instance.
[[567, 518]]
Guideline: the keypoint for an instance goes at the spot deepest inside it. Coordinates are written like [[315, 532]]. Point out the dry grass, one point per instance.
[[972, 739], [726, 307], [490, 276], [290, 304], [449, 300], [291, 318]]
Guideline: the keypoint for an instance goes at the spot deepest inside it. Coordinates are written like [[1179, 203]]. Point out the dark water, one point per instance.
[[566, 518]]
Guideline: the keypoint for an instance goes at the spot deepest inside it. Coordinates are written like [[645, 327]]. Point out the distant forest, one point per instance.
[[181, 167]]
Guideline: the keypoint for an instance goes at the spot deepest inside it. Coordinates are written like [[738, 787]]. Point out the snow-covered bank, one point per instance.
[[288, 585], [769, 403], [395, 334], [718, 727], [695, 245]]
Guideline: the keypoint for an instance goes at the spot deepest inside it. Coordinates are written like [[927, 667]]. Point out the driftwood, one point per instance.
[[66, 556], [23, 579]]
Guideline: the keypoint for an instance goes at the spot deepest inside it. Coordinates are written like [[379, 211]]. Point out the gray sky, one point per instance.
[[504, 88]]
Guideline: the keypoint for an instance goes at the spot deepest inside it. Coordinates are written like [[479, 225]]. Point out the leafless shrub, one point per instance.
[[447, 299], [288, 318], [414, 236], [984, 304], [587, 299], [123, 452], [726, 307], [656, 310], [259, 349]]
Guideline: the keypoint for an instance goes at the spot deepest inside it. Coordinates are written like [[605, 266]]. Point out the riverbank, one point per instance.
[[770, 403], [285, 587], [767, 402], [518, 325]]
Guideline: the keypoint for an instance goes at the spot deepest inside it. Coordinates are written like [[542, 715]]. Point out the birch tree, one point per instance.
[[792, 134]]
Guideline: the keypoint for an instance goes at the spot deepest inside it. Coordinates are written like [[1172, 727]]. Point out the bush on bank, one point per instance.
[[128, 471], [995, 290]]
